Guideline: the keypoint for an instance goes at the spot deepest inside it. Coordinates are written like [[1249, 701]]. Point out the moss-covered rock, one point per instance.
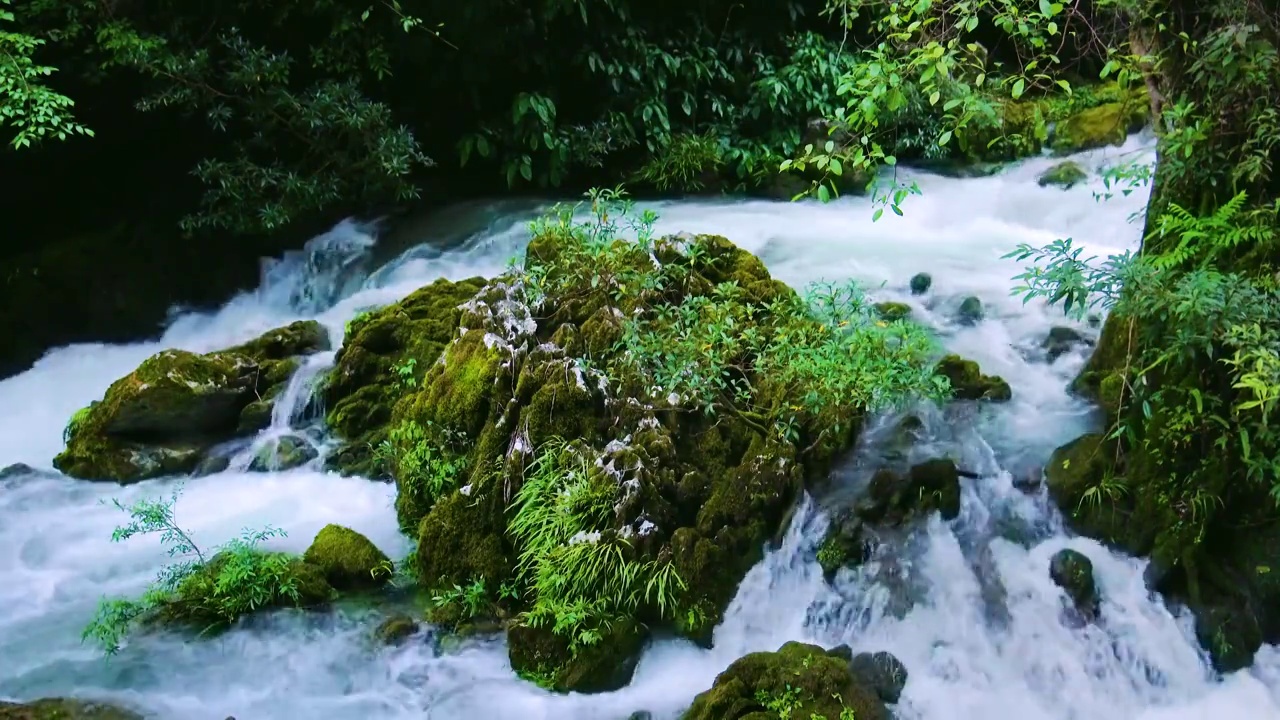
[[161, 418], [1097, 127], [845, 545], [1073, 572], [970, 311], [893, 499], [210, 599], [383, 359], [893, 311], [502, 376], [797, 681], [283, 453], [542, 657], [968, 382], [64, 709], [920, 283], [395, 630], [1060, 341], [1077, 474], [1065, 175], [348, 559]]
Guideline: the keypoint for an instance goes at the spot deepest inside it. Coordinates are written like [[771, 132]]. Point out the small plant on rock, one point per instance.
[[208, 592]]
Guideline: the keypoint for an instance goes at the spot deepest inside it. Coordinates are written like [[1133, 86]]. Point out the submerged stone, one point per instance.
[[395, 630], [970, 312], [893, 311], [1073, 572], [920, 283], [1065, 175], [283, 453]]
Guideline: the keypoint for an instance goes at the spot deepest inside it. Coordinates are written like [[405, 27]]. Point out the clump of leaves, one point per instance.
[[426, 461], [579, 574], [207, 590]]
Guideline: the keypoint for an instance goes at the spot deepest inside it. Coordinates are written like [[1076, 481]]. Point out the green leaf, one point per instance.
[[1018, 88], [946, 138], [836, 167], [824, 195], [877, 214], [890, 160], [935, 97]]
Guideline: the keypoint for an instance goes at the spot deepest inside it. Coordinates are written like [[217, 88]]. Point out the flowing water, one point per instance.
[[967, 605]]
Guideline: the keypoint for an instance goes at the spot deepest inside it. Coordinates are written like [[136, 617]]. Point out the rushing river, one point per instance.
[[980, 629]]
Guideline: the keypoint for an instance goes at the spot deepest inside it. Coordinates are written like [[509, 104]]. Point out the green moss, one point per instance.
[[303, 337], [348, 559], [1065, 175], [462, 539], [364, 388], [1077, 474], [64, 709], [1097, 127], [968, 382], [797, 681], [395, 630], [544, 658], [893, 311]]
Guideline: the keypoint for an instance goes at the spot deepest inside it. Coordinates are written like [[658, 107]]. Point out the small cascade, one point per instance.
[[327, 269]]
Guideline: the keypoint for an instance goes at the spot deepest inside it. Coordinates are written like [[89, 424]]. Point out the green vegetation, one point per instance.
[[206, 592]]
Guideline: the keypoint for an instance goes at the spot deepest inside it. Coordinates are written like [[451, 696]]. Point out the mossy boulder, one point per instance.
[[382, 360], [797, 681], [348, 559], [968, 382], [283, 453], [1097, 127], [395, 630], [1076, 475], [920, 283], [65, 709], [1073, 572], [970, 311], [546, 659], [846, 544], [203, 603], [162, 418], [1060, 341], [881, 672], [1065, 175], [893, 498], [893, 311], [502, 376]]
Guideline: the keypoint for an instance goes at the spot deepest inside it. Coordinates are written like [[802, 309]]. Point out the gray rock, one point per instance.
[[286, 453], [971, 311], [881, 672], [920, 283], [1073, 572]]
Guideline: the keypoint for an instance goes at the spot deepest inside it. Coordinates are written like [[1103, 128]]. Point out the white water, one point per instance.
[[1138, 663]]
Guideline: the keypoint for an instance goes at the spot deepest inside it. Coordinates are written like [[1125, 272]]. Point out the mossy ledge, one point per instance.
[[163, 417], [467, 393]]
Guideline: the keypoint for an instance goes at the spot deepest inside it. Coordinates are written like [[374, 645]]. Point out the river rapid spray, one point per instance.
[[980, 636]]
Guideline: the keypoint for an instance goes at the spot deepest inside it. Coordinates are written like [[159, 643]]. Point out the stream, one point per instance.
[[967, 605]]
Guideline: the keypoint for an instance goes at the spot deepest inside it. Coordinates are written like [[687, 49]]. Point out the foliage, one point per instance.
[[237, 579], [426, 462], [28, 106], [578, 573], [826, 353]]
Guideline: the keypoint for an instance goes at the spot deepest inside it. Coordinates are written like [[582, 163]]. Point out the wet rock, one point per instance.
[[64, 709], [968, 382], [161, 418], [395, 630], [546, 659], [640, 715], [1060, 341], [1073, 572], [1064, 175], [1107, 124], [212, 465], [971, 311], [845, 545], [893, 311], [920, 283], [893, 499], [348, 559], [803, 679], [255, 416], [284, 453], [18, 470], [881, 672]]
